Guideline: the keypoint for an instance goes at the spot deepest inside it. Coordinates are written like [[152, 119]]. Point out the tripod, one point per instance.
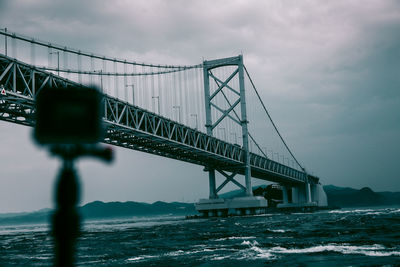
[[66, 218]]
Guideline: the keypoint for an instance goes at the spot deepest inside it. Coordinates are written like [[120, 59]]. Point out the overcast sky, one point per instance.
[[328, 71]]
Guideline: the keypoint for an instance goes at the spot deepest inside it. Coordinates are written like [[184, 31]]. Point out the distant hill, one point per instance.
[[337, 196], [349, 197], [40, 216], [98, 210], [343, 196]]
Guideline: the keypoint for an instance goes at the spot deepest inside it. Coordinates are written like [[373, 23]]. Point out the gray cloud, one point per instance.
[[329, 74]]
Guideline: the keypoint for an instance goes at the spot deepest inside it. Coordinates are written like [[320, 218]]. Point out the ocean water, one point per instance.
[[347, 237]]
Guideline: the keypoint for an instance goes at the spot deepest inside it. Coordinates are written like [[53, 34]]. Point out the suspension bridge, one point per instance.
[[209, 114]]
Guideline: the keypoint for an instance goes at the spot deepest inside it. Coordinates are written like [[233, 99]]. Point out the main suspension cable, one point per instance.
[[21, 37], [101, 73], [273, 124]]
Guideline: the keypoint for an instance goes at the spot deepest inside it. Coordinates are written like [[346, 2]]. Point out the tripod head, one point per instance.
[[72, 152], [69, 124]]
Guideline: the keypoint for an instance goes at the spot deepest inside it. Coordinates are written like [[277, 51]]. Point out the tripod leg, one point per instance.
[[66, 221]]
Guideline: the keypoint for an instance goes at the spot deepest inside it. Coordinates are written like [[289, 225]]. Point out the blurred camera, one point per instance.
[[70, 115]]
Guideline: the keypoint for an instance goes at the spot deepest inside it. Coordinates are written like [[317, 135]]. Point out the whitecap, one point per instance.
[[340, 211], [395, 211], [175, 253], [141, 258], [277, 230], [261, 253], [383, 254], [219, 258], [190, 252], [202, 250], [135, 259], [235, 238], [373, 250], [358, 211], [255, 251], [249, 243]]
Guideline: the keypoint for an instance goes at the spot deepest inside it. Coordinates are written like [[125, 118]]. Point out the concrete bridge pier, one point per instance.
[[308, 193], [217, 207], [236, 206], [305, 197], [318, 195], [285, 195]]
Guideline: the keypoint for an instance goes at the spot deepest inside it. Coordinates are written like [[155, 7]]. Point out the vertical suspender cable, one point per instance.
[[125, 85], [103, 80], [33, 54], [141, 89], [79, 67], [160, 94], [14, 47], [134, 86], [153, 99], [49, 54], [272, 122], [181, 104], [116, 94], [91, 69], [65, 62], [186, 90], [175, 96]]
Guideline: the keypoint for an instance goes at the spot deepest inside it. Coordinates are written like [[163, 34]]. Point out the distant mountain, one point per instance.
[[391, 197], [349, 197], [40, 216], [98, 209], [343, 196], [337, 196]]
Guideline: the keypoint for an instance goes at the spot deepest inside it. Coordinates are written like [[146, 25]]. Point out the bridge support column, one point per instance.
[[308, 193], [211, 178], [295, 195], [207, 101], [285, 195], [245, 133]]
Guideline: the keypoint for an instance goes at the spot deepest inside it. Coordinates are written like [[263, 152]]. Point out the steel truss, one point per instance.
[[135, 128], [208, 66]]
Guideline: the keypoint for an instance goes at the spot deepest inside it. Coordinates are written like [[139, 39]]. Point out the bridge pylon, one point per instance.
[[208, 66], [249, 204]]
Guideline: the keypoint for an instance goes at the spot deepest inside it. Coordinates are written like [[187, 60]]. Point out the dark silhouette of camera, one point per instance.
[[68, 115]]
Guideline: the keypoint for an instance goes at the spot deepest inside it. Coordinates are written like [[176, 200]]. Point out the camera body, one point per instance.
[[68, 115]]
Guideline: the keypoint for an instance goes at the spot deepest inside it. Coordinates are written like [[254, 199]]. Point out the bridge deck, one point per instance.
[[135, 128]]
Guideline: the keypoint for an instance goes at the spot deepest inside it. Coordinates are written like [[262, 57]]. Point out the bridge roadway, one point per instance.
[[135, 128]]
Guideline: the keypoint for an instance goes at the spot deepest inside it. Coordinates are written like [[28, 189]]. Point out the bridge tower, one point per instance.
[[208, 66], [213, 205]]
